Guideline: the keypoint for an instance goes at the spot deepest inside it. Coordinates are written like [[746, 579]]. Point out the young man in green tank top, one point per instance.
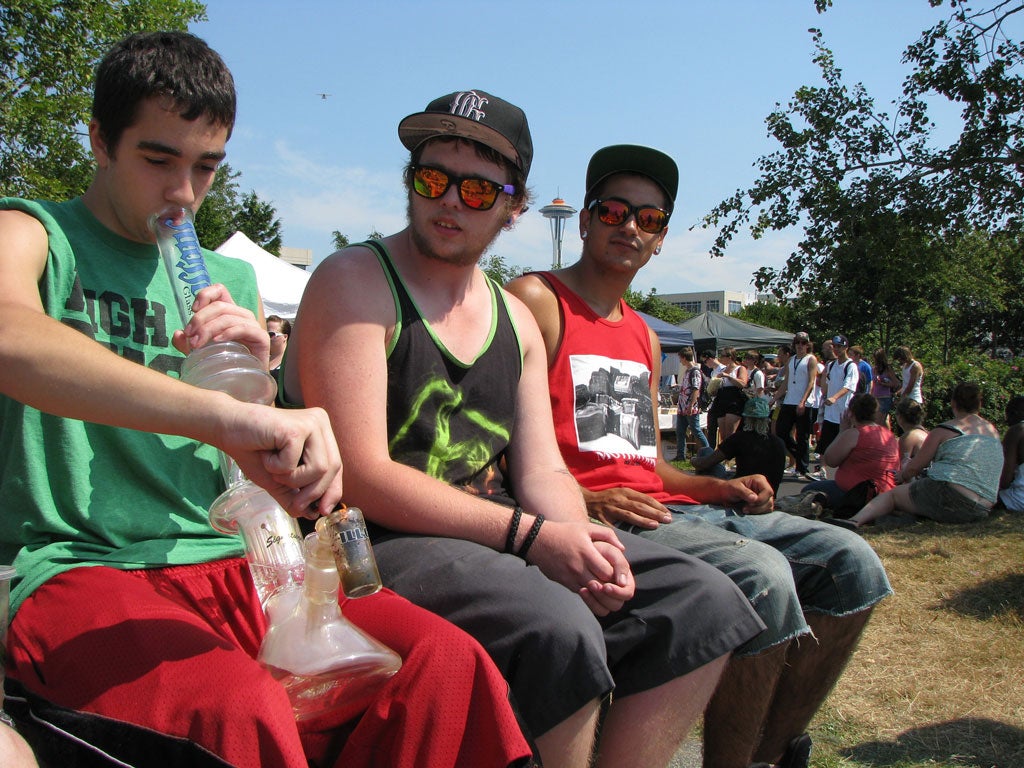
[[128, 604]]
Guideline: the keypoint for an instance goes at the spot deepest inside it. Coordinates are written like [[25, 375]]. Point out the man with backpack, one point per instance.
[[865, 374], [691, 394]]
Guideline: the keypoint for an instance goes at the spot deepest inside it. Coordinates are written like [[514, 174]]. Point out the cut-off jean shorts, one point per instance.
[[785, 565], [940, 501]]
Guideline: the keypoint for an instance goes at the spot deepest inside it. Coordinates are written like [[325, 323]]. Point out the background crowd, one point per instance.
[[854, 430]]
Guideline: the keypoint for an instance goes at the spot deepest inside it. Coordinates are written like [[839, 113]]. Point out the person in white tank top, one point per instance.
[[794, 421], [912, 373]]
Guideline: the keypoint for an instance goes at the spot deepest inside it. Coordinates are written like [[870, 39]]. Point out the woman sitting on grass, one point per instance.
[[964, 458], [864, 450], [909, 415]]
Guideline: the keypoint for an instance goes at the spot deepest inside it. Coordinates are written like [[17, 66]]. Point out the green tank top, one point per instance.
[[77, 494]]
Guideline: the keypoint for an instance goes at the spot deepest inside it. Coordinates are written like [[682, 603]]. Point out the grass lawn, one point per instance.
[[938, 679]]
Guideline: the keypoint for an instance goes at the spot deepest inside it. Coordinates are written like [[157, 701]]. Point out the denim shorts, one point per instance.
[[785, 565], [940, 501]]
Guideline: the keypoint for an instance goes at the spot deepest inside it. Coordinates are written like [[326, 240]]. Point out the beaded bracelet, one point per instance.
[[530, 537], [513, 529]]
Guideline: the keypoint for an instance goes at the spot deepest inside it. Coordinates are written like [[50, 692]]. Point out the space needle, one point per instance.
[[558, 212]]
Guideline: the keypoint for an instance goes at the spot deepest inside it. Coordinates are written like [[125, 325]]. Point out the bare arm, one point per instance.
[[926, 453], [841, 447], [61, 372], [753, 492], [704, 462]]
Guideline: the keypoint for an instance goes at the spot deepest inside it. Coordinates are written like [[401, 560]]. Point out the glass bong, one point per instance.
[[326, 664]]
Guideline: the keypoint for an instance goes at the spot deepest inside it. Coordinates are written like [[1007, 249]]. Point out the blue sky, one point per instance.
[[693, 79]]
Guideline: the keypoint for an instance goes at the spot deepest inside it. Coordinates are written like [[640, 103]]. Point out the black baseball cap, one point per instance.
[[475, 115], [840, 341], [633, 158]]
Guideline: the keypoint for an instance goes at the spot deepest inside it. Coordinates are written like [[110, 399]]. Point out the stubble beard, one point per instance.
[[460, 259]]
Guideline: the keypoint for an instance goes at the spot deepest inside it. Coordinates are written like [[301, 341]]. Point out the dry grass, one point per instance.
[[938, 679]]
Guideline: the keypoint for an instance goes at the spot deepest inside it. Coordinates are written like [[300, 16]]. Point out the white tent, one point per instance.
[[281, 284]]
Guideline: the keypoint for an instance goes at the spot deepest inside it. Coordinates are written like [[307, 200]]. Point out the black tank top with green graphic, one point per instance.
[[450, 419]]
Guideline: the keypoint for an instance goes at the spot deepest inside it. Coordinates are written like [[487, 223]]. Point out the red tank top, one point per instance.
[[601, 398], [875, 457]]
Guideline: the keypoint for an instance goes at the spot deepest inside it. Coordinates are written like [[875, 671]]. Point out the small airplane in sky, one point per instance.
[[323, 96]]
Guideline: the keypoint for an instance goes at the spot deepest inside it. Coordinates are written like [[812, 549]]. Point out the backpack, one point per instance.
[[704, 398], [862, 383]]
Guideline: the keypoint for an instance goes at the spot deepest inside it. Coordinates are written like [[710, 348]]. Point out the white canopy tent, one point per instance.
[[281, 284]]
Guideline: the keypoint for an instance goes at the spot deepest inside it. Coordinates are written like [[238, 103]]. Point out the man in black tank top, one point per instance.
[[436, 383]]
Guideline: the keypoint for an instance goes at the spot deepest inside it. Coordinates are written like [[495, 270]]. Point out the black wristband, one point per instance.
[[530, 537], [513, 529]]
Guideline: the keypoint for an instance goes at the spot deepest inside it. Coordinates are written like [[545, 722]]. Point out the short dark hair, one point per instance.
[[707, 353], [910, 411], [522, 196], [175, 65], [785, 349], [286, 325], [967, 396], [864, 406], [686, 353]]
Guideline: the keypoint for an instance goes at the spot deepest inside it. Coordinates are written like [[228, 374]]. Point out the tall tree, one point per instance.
[[655, 306], [49, 50], [259, 221], [500, 271], [226, 211], [771, 315], [885, 208], [339, 240]]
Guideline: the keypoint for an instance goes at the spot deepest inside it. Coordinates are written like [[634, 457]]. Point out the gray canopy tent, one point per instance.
[[713, 330]]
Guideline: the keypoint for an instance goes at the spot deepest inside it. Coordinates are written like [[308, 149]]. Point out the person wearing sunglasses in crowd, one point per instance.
[[279, 329], [798, 574], [436, 378]]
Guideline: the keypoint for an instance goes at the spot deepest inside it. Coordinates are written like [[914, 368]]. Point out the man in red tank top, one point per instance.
[[603, 370]]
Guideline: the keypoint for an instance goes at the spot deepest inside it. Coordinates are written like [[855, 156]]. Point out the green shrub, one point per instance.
[[999, 380]]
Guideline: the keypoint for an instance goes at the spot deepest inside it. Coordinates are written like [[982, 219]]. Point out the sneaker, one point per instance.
[[792, 472], [807, 505], [817, 474]]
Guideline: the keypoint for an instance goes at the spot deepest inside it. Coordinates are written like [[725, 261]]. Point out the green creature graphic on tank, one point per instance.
[[472, 461]]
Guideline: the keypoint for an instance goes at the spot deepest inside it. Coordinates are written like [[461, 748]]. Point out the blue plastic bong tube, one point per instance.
[[182, 256]]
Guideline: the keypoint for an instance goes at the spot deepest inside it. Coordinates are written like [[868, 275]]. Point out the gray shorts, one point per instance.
[[556, 655], [785, 565], [940, 501]]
